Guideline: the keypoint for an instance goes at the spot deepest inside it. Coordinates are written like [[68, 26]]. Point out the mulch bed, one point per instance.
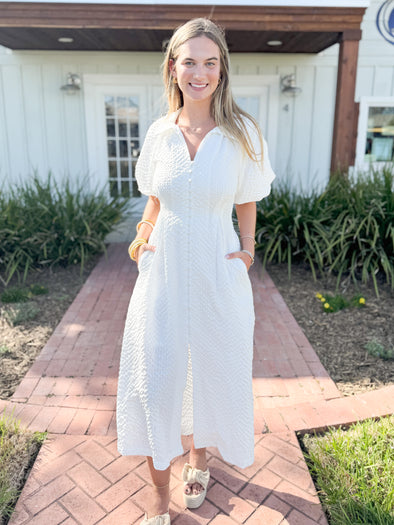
[[21, 344], [339, 338]]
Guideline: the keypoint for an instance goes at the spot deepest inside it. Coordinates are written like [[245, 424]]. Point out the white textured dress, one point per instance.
[[186, 360]]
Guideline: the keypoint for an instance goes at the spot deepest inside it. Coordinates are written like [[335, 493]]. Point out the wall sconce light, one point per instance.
[[288, 86], [73, 84]]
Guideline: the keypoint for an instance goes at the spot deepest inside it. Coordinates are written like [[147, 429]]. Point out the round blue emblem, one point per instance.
[[385, 20]]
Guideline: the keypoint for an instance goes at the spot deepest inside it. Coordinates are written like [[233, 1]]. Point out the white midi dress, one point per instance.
[[186, 359]]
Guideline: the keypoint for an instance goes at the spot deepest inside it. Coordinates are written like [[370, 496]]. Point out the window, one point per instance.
[[375, 142]]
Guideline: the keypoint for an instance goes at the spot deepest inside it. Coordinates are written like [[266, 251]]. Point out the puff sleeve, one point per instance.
[[254, 181], [144, 170]]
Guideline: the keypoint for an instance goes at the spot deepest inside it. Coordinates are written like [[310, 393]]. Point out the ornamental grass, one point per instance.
[[347, 229], [43, 223]]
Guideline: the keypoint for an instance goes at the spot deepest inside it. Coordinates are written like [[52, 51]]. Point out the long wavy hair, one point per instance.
[[224, 110]]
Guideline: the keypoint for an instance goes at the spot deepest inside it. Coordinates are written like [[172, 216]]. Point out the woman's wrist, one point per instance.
[[135, 245], [251, 255], [248, 243]]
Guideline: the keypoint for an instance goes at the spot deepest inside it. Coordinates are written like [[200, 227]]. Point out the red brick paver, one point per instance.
[[70, 391]]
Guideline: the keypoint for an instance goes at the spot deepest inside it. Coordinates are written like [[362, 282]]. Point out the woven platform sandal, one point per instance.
[[160, 519], [192, 475]]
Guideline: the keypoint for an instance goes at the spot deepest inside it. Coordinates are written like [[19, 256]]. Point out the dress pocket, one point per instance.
[[240, 263], [145, 256]]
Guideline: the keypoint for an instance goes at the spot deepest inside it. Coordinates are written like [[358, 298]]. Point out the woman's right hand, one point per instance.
[[141, 249]]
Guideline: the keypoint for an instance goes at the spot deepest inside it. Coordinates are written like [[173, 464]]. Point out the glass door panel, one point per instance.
[[123, 136]]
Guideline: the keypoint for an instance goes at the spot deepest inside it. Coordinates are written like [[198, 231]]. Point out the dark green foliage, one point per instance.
[[346, 229], [38, 289], [378, 350], [15, 295], [43, 224]]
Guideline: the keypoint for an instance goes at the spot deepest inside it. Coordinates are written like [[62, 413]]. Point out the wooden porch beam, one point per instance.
[[137, 16], [343, 143]]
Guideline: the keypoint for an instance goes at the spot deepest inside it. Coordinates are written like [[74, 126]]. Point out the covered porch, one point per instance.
[[261, 26]]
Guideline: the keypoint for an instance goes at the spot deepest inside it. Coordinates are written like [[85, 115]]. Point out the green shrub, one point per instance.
[[346, 229], [43, 223], [378, 350], [38, 289], [15, 295], [292, 226], [20, 313]]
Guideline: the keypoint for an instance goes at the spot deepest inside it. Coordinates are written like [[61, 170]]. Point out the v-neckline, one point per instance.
[[199, 146]]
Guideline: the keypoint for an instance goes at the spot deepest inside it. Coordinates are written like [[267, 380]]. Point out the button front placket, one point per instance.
[[189, 262]]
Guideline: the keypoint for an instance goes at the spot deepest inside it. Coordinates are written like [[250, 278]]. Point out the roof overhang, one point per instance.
[[144, 25]]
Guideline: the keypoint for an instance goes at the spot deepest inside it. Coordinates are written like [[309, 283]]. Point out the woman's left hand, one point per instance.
[[241, 255]]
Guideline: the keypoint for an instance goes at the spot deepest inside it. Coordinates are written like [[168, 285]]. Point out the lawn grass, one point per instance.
[[18, 449], [353, 471]]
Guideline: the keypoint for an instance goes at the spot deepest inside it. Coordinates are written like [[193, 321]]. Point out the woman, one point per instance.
[[186, 362]]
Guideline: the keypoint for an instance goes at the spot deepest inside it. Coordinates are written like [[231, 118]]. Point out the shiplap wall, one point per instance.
[[43, 129]]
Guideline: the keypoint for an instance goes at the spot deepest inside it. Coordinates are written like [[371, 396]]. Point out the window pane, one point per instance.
[[109, 106], [123, 148], [111, 148], [134, 148], [125, 184], [110, 127], [124, 169], [122, 128], [113, 188], [380, 134], [113, 172], [136, 192], [134, 132]]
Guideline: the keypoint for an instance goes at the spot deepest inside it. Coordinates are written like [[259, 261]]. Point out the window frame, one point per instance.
[[365, 104]]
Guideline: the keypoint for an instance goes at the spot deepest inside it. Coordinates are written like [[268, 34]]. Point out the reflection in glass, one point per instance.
[[124, 169], [136, 192], [113, 172], [110, 127], [379, 145], [113, 188], [134, 131], [109, 106], [123, 148], [122, 128], [125, 185], [111, 148], [134, 148]]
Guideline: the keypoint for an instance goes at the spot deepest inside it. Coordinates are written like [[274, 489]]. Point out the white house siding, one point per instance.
[[42, 128]]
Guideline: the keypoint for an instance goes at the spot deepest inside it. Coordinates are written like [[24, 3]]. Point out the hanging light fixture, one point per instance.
[[73, 84], [288, 86]]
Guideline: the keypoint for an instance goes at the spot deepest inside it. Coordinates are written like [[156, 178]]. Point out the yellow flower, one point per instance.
[[323, 299], [319, 295], [326, 305], [361, 300]]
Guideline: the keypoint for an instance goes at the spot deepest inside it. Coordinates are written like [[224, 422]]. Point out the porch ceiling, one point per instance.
[[109, 27]]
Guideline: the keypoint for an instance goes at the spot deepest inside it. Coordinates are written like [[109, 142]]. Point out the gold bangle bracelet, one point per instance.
[[145, 221], [134, 245]]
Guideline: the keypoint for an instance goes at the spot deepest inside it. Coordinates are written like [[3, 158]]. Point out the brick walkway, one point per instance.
[[70, 392]]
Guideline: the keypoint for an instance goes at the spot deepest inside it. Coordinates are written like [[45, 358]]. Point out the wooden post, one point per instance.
[[343, 143]]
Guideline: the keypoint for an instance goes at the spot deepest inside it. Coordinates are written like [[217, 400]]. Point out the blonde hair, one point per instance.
[[224, 110]]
